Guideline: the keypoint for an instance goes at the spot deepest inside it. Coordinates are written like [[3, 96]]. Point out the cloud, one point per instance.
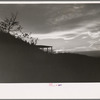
[[71, 34], [47, 18], [65, 26], [66, 35], [81, 48]]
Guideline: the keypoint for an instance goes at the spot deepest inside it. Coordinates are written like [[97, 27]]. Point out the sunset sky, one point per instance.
[[67, 27]]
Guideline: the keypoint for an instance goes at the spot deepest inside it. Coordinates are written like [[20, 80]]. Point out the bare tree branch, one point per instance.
[[8, 24]]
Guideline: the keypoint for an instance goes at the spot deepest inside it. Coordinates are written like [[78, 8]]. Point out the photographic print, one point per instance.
[[49, 43]]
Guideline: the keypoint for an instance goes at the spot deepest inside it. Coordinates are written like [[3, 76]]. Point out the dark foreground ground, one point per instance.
[[21, 62]]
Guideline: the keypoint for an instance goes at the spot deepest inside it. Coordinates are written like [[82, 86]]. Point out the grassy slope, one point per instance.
[[21, 62]]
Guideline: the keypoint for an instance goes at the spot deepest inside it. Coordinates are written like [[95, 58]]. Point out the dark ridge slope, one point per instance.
[[21, 62]]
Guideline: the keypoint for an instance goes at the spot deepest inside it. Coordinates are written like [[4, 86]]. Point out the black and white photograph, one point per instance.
[[42, 43]]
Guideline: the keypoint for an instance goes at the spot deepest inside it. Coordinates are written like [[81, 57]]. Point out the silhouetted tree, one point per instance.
[[26, 37], [34, 41], [10, 24]]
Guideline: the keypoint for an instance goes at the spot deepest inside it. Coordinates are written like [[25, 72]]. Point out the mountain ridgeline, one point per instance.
[[23, 62]]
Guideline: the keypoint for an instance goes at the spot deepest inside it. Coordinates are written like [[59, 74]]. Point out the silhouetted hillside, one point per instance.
[[22, 62]]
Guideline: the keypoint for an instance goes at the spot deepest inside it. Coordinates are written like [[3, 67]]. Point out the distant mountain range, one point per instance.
[[94, 53], [90, 53]]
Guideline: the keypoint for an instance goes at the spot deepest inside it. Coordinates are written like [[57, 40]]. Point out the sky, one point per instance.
[[66, 27]]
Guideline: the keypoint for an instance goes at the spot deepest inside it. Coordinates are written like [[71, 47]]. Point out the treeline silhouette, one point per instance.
[[24, 62]]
